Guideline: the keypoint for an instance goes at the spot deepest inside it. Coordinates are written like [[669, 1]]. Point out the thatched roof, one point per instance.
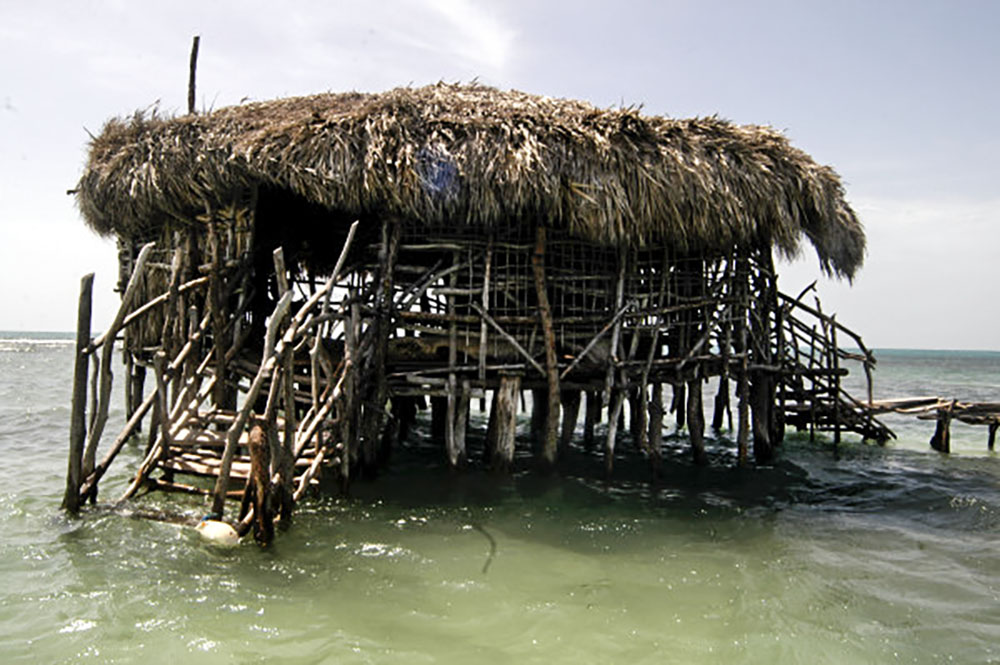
[[473, 154]]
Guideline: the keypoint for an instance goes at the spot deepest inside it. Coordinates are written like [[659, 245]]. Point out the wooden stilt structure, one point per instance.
[[453, 282]]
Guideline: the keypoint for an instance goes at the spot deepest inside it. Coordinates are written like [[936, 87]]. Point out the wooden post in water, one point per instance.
[[941, 441], [721, 403], [503, 419], [743, 378], [656, 427], [992, 437], [592, 416], [678, 402], [696, 421], [571, 412], [78, 420]]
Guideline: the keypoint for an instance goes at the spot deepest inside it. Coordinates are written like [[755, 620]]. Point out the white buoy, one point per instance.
[[217, 531]]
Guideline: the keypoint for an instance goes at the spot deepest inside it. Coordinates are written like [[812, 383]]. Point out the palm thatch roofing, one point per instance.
[[448, 154]]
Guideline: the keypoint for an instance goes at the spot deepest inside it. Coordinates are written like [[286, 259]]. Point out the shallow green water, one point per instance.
[[875, 555]]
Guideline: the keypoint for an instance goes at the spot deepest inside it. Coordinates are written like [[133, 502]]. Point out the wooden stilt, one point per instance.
[[721, 404], [439, 417], [941, 441], [743, 417], [138, 381], [461, 421], [491, 430], [258, 493], [614, 411], [539, 418], [678, 405], [992, 437], [760, 411], [550, 443], [637, 416], [743, 378], [591, 418], [571, 411], [78, 419], [505, 423], [655, 444], [381, 330], [696, 421]]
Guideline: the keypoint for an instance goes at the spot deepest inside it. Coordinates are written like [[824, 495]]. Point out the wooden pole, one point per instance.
[[104, 399], [614, 410], [835, 364], [192, 70], [721, 403], [78, 420], [992, 437], [486, 308], [592, 416], [283, 458], [571, 412], [656, 427], [696, 421], [941, 441], [502, 456], [461, 426], [743, 379], [550, 443], [455, 456]]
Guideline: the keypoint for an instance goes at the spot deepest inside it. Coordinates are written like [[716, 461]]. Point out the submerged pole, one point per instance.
[[77, 425]]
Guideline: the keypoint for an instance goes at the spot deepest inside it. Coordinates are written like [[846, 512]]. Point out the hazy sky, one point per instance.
[[900, 97]]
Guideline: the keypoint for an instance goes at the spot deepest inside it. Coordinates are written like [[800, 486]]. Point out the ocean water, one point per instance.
[[867, 554]]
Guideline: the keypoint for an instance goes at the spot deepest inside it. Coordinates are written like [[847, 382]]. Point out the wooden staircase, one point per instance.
[[810, 393]]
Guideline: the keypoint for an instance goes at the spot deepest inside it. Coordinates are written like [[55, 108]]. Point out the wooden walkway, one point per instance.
[[943, 411]]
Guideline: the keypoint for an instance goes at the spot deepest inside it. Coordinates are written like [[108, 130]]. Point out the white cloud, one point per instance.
[[476, 34]]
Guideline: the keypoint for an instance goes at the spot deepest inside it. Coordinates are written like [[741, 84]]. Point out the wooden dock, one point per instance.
[[943, 411]]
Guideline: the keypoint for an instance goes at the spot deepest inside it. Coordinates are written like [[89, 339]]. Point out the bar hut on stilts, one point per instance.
[[316, 270]]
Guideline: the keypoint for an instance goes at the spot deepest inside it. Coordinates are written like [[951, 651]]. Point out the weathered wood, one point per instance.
[[835, 360], [455, 454], [743, 378], [655, 444], [192, 71], [505, 424], [461, 426], [104, 399], [78, 419], [614, 411], [941, 441], [595, 339], [571, 412], [259, 491], [266, 367], [486, 308], [161, 395], [678, 403], [721, 404], [696, 422], [637, 415], [503, 333], [592, 416], [282, 457], [539, 417]]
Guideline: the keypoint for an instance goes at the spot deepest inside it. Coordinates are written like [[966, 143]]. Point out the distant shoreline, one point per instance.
[[50, 335]]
